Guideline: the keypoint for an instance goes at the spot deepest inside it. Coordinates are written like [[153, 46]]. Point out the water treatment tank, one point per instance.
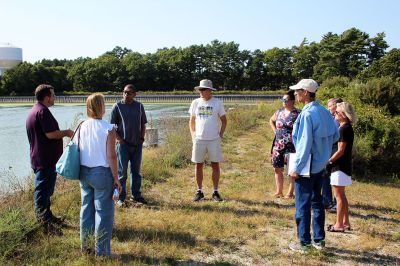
[[10, 56]]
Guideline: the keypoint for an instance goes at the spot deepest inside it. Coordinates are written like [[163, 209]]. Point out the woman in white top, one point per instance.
[[98, 177]]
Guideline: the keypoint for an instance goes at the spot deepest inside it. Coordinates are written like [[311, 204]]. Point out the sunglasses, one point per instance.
[[285, 100], [128, 92], [203, 89]]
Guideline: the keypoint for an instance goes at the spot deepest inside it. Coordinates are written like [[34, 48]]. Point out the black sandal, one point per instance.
[[347, 228], [331, 228]]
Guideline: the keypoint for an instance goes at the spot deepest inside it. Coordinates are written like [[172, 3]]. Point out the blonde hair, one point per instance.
[[94, 105], [348, 110]]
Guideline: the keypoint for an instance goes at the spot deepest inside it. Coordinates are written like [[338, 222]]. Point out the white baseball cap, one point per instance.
[[306, 84]]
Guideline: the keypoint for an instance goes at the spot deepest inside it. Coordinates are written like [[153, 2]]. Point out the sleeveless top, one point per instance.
[[284, 126], [93, 142]]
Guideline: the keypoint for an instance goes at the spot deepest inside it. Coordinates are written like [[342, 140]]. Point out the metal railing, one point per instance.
[[144, 98]]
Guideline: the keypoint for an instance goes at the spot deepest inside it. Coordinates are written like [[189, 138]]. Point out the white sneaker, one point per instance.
[[318, 245], [296, 247], [120, 204]]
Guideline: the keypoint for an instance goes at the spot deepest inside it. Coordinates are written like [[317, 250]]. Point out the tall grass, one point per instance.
[[15, 232]]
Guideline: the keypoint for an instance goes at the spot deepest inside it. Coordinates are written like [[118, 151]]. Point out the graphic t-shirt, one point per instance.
[[208, 115]]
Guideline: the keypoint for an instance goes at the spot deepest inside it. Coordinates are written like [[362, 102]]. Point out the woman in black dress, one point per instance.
[[341, 165]]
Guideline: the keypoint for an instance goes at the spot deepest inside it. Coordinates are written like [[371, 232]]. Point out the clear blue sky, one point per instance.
[[70, 29]]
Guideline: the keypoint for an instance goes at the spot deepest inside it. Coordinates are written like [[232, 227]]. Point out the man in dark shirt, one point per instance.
[[130, 118], [46, 147]]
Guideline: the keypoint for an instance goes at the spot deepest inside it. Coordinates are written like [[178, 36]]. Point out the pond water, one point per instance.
[[14, 146]]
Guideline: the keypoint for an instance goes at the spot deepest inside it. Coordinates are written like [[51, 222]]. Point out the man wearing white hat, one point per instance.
[[314, 133], [206, 113]]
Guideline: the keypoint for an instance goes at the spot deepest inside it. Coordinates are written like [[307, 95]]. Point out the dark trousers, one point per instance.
[[45, 180], [327, 190]]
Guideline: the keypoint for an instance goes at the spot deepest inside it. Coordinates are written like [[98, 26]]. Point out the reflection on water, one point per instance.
[[14, 146]]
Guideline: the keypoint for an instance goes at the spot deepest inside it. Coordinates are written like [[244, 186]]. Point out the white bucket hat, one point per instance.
[[306, 84], [205, 84]]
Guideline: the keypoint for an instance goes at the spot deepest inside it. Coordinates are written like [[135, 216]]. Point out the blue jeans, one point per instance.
[[308, 196], [132, 154], [97, 210], [45, 180]]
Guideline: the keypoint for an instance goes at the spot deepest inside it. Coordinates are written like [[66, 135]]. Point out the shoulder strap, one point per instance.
[[140, 117], [78, 129], [122, 120]]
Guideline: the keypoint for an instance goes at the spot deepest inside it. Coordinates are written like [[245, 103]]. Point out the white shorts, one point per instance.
[[338, 178], [210, 147]]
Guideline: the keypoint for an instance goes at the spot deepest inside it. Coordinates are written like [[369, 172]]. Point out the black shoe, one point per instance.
[[139, 200], [58, 221], [216, 197], [87, 251], [332, 210], [199, 196], [51, 229]]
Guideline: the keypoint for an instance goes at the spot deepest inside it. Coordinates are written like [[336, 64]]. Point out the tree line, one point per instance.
[[351, 54]]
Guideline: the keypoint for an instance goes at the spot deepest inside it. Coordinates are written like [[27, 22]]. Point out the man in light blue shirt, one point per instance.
[[314, 133]]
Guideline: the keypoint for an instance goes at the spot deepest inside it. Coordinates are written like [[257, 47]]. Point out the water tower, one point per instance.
[[10, 56]]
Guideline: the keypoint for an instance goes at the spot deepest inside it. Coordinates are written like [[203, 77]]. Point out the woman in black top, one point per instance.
[[341, 166]]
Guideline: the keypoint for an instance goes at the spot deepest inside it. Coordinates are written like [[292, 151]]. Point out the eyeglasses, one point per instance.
[[285, 100], [128, 92]]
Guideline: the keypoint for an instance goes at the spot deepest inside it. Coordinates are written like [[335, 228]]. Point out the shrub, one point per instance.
[[15, 230], [336, 82], [382, 92], [377, 144], [377, 135]]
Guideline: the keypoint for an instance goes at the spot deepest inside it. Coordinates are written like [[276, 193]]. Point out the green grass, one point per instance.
[[249, 228]]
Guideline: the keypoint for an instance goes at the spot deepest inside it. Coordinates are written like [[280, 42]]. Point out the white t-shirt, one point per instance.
[[93, 142], [208, 115]]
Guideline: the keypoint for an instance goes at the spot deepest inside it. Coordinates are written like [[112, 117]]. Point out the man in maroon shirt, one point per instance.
[[46, 147]]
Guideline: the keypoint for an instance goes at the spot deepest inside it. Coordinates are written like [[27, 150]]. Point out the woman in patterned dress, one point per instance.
[[282, 123]]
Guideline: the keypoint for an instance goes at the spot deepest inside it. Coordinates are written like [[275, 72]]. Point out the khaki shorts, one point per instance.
[[203, 147]]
